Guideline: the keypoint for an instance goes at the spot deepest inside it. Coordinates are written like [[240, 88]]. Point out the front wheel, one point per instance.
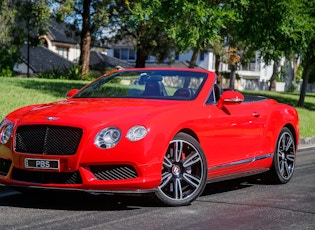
[[284, 158], [184, 171]]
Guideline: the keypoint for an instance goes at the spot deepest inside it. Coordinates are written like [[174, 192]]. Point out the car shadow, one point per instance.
[[231, 185], [82, 201], [75, 201]]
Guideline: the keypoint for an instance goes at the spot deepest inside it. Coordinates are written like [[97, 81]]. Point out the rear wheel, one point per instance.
[[184, 171], [284, 158]]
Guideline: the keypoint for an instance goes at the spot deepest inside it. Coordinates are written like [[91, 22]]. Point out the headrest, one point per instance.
[[154, 78]]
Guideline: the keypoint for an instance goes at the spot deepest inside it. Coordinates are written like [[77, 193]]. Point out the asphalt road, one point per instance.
[[236, 204]]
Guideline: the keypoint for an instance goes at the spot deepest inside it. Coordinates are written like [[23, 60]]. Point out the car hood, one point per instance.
[[87, 111]]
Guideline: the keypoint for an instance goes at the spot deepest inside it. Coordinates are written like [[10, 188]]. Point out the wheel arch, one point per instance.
[[293, 131], [189, 132]]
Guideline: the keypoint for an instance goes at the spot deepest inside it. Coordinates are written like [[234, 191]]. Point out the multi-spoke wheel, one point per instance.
[[184, 171], [284, 157]]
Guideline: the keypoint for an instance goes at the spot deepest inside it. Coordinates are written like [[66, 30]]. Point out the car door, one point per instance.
[[236, 131]]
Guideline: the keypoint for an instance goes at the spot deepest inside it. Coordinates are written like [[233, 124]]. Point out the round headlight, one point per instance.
[[107, 138], [6, 129], [136, 133]]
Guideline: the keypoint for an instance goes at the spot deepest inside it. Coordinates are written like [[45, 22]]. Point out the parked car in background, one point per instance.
[[162, 131]]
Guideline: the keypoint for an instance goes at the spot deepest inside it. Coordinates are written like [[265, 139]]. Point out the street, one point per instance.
[[237, 204]]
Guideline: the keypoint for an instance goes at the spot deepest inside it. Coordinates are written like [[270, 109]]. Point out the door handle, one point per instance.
[[255, 114]]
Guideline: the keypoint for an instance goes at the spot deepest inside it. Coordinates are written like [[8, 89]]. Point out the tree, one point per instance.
[[141, 23], [8, 52], [32, 18], [261, 25], [87, 16], [196, 24], [303, 34], [23, 21]]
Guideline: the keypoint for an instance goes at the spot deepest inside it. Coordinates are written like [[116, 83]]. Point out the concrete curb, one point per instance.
[[307, 142]]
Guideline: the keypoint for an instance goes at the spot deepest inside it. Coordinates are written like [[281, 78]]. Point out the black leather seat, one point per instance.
[[217, 91], [154, 87], [184, 92]]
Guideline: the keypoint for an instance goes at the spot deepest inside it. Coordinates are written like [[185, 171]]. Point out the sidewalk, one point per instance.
[[307, 142]]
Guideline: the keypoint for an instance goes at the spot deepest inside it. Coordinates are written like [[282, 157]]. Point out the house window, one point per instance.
[[125, 54], [63, 51], [201, 56], [176, 56]]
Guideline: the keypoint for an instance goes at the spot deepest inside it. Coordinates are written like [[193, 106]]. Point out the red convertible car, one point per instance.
[[162, 131]]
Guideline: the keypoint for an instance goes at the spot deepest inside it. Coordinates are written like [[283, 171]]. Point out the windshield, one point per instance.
[[156, 84]]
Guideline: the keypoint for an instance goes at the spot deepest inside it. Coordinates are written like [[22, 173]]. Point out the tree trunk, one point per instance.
[[232, 77], [306, 74], [272, 80], [141, 58], [194, 57], [216, 68], [85, 38], [307, 63]]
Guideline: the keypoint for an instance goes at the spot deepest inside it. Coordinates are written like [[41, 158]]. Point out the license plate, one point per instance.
[[41, 163]]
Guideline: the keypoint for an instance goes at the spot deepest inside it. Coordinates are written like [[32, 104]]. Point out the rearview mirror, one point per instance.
[[230, 97], [71, 92]]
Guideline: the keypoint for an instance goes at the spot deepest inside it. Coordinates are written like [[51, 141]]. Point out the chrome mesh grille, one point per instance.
[[113, 172], [48, 140]]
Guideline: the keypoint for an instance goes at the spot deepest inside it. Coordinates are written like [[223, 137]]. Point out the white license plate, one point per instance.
[[41, 163]]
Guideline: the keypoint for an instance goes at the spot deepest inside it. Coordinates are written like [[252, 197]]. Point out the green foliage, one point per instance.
[[21, 22], [141, 22], [226, 75], [6, 72], [72, 73], [72, 10], [195, 23]]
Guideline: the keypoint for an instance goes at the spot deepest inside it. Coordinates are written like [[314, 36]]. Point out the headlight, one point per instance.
[[6, 129], [107, 138], [136, 133]]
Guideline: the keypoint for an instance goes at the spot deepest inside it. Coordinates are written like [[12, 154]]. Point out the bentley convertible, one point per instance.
[[166, 132]]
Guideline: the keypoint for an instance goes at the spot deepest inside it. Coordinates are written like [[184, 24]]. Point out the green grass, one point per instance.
[[18, 92]]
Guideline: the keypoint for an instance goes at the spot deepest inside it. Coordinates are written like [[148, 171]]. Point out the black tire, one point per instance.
[[184, 172], [283, 164]]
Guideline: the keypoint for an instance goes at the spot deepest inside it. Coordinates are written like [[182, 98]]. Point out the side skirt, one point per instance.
[[240, 174]]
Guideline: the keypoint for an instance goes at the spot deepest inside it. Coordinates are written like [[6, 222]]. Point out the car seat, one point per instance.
[[154, 86]]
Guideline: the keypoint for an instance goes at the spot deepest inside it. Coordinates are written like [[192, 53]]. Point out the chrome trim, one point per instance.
[[249, 160], [52, 118]]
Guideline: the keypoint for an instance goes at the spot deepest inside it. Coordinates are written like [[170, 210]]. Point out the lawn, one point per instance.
[[18, 92]]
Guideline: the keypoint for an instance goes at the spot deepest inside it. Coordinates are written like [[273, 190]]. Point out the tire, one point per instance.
[[184, 172], [284, 157]]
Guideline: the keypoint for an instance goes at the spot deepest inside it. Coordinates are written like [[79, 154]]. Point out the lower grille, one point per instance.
[[47, 177], [5, 166], [47, 139], [113, 172]]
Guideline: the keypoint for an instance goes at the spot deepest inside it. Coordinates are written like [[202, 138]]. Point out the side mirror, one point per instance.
[[71, 92], [230, 97]]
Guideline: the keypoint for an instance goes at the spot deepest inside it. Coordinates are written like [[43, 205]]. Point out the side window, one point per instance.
[[211, 98]]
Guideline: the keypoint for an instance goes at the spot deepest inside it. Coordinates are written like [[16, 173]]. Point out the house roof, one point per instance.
[[61, 32], [42, 59], [100, 60]]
